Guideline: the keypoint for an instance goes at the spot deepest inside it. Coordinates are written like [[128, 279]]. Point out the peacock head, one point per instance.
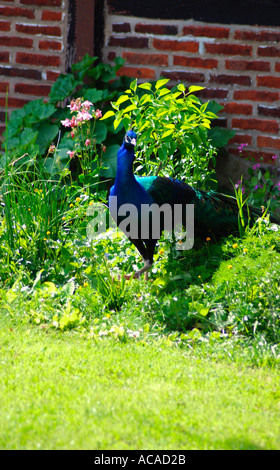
[[130, 140]]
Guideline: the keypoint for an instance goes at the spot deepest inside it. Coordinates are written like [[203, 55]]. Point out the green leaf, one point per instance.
[[100, 132], [145, 98], [47, 134], [181, 87], [161, 82], [37, 110], [194, 88], [93, 95], [83, 67], [164, 92], [110, 161], [167, 133], [145, 86], [63, 88], [121, 100], [129, 108], [107, 115], [133, 85]]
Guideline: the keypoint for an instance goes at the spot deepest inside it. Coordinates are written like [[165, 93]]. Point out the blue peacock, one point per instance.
[[215, 214]]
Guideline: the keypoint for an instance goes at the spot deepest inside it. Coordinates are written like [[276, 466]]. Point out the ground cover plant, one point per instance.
[[60, 281]]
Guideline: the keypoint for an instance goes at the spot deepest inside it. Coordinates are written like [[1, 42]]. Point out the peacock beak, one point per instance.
[[133, 142]]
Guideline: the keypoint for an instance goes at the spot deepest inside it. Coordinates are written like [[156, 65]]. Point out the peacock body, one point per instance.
[[215, 214]]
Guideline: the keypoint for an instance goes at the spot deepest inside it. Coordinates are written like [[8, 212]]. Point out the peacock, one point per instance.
[[215, 215]]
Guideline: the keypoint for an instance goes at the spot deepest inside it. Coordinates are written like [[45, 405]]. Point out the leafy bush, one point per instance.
[[173, 128], [33, 128]]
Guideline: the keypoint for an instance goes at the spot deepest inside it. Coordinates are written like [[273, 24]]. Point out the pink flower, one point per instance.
[[71, 154], [87, 142], [239, 185], [66, 122], [73, 133], [98, 114], [274, 157], [104, 148], [256, 166], [75, 105], [86, 105], [83, 116], [241, 147]]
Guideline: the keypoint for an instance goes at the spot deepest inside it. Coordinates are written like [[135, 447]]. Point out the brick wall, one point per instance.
[[239, 66], [33, 43]]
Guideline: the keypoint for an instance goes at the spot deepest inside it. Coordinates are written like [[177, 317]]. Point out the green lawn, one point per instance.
[[64, 391]]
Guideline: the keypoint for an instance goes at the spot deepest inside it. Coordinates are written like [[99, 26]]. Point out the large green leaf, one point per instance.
[[47, 134], [110, 161], [63, 88], [37, 110], [100, 132], [93, 95]]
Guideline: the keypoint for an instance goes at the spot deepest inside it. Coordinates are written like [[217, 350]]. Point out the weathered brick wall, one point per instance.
[[33, 43], [239, 66]]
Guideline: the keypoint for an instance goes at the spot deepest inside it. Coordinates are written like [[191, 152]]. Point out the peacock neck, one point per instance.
[[125, 173]]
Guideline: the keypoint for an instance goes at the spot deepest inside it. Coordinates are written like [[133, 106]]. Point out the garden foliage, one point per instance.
[[52, 274]]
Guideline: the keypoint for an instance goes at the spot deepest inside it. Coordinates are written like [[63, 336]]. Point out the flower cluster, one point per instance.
[[83, 114]]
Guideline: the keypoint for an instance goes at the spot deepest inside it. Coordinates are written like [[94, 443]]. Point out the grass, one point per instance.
[[65, 391], [189, 360]]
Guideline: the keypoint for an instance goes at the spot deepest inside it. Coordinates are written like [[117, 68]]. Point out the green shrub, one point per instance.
[[173, 128], [33, 128]]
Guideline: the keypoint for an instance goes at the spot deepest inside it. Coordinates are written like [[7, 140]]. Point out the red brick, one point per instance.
[[183, 76], [258, 65], [50, 45], [156, 29], [253, 95], [14, 11], [4, 57], [38, 29], [4, 87], [10, 41], [268, 111], [23, 73], [206, 31], [129, 41], [241, 139], [256, 124], [237, 108], [137, 72], [37, 59], [268, 142], [36, 90], [121, 28], [268, 81], [145, 59], [111, 55], [269, 51], [46, 3], [195, 62], [52, 76], [228, 49], [174, 45], [231, 79], [13, 102], [5, 26], [213, 94], [277, 67], [263, 157], [51, 15], [257, 35]]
